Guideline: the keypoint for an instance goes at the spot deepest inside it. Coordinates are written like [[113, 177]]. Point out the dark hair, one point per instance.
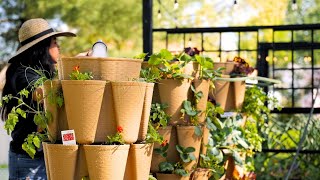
[[36, 57]]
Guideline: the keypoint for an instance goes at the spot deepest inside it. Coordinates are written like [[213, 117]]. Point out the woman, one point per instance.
[[38, 50]]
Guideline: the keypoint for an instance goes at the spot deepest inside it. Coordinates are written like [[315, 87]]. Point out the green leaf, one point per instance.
[[21, 112], [140, 56], [181, 172], [217, 123], [236, 157], [37, 141], [166, 167], [210, 125], [198, 131], [185, 158], [179, 148], [165, 54], [154, 60], [189, 150], [59, 101], [192, 157], [243, 143], [24, 93]]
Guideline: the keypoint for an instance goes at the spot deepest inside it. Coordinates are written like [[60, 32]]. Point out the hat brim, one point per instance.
[[32, 43]]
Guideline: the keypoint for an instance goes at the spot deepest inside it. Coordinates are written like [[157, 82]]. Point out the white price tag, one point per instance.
[[68, 137]]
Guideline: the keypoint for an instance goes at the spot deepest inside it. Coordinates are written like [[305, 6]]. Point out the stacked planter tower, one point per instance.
[[96, 109]]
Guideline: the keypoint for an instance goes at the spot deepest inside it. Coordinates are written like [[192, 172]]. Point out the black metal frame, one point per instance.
[[262, 49]]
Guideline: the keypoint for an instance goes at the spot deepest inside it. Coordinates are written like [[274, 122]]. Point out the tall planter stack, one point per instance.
[[94, 109], [173, 92]]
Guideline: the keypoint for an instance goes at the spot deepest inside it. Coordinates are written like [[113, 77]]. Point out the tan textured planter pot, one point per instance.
[[46, 161], [146, 112], [107, 123], [161, 176], [202, 85], [174, 92], [128, 98], [220, 92], [200, 174], [83, 101], [156, 158], [106, 161], [173, 154], [62, 160], [188, 138], [139, 161], [81, 167], [239, 89], [120, 69], [86, 64]]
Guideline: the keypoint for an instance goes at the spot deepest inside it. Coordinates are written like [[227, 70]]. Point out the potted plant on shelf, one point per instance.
[[158, 121], [83, 99], [140, 155], [190, 135], [210, 165], [213, 113], [178, 170], [174, 84], [108, 160], [241, 69]]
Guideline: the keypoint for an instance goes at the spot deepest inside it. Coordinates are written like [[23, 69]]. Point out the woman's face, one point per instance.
[[54, 49]]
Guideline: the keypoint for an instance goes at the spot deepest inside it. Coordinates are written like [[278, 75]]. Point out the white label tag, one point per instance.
[[68, 137]]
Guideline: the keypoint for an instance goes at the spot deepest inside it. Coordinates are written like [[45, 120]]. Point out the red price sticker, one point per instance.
[[68, 137]]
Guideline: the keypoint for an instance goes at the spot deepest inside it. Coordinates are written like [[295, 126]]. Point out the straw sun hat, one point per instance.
[[33, 31]]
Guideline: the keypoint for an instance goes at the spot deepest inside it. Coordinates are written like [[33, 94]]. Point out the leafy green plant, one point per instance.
[[168, 65], [162, 150], [170, 168], [196, 95], [186, 154], [41, 119], [153, 135], [55, 97], [255, 104], [116, 139], [213, 113], [212, 161], [158, 117], [150, 74], [191, 111], [77, 75]]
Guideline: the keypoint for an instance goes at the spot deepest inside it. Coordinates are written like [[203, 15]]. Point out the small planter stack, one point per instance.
[[181, 132], [229, 95], [94, 109]]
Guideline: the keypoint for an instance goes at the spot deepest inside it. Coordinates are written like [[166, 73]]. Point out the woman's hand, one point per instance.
[[87, 53]]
